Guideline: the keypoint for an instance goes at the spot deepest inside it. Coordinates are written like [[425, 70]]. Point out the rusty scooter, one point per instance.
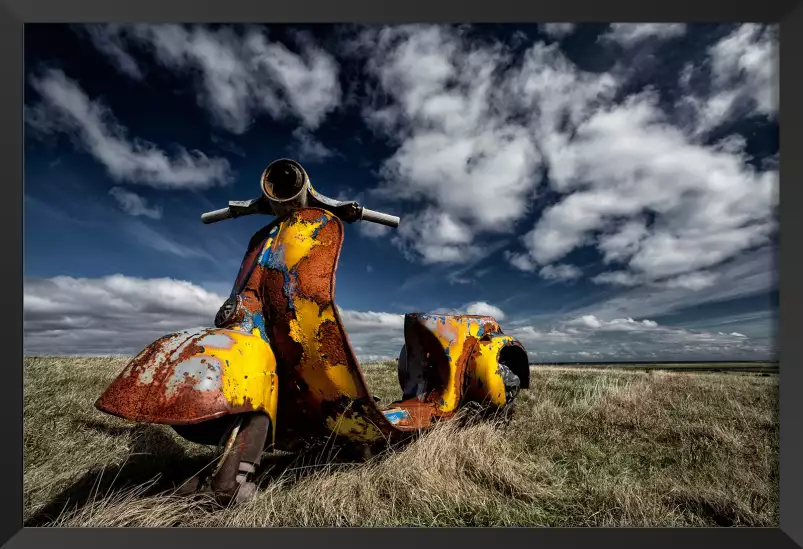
[[278, 372]]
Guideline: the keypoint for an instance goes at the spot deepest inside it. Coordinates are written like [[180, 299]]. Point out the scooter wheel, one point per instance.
[[511, 381], [512, 387], [247, 448]]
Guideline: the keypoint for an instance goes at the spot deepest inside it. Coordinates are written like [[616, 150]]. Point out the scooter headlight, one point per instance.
[[283, 180]]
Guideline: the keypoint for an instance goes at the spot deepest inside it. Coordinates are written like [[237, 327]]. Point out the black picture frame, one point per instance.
[[15, 13]]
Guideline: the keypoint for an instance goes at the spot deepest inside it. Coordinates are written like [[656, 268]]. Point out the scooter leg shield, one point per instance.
[[194, 376]]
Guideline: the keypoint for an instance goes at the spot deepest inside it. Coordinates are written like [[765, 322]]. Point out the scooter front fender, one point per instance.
[[196, 375]]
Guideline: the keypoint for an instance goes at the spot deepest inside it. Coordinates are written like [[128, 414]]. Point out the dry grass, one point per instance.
[[586, 447]]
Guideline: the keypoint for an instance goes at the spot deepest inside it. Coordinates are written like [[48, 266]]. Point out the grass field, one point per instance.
[[723, 367], [587, 447]]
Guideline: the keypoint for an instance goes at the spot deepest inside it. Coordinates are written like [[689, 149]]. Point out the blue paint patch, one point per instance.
[[323, 220], [259, 322], [396, 415]]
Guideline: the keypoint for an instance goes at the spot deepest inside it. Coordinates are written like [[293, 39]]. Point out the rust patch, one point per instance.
[[331, 345]]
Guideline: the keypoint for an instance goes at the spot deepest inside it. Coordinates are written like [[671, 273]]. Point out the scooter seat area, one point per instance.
[[477, 325]]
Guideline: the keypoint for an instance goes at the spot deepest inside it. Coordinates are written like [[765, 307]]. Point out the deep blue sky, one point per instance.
[[608, 192]]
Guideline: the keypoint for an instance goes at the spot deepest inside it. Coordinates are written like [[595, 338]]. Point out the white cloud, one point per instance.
[[373, 230], [693, 281], [630, 34], [438, 99], [522, 262], [121, 315], [558, 30], [372, 320], [589, 337], [309, 148], [626, 161], [133, 204], [752, 274], [64, 107], [109, 40], [149, 237], [114, 314], [653, 200], [742, 77], [238, 76], [485, 309], [618, 278], [436, 236], [615, 325], [560, 271]]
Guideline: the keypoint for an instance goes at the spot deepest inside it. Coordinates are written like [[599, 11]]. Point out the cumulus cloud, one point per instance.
[[739, 78], [626, 161], [133, 204], [485, 309], [474, 132], [121, 315], [64, 107], [150, 237], [437, 99], [238, 76], [561, 271], [590, 338], [630, 34], [558, 30], [474, 308], [109, 40], [309, 148], [114, 314], [754, 273], [615, 325], [434, 236]]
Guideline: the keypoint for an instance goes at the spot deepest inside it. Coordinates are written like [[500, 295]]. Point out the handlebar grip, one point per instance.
[[379, 217], [217, 215]]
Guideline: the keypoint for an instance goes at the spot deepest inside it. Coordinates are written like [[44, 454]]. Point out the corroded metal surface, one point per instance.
[[197, 375], [193, 376], [487, 381], [439, 351], [320, 380]]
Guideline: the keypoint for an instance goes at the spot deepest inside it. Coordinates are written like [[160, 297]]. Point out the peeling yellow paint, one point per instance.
[[318, 371], [453, 337], [248, 372], [353, 427], [296, 240], [487, 383]]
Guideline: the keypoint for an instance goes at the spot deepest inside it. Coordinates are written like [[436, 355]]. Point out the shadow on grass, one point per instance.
[[156, 458]]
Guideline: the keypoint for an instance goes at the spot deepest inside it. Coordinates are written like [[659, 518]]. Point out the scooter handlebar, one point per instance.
[[379, 217], [217, 215]]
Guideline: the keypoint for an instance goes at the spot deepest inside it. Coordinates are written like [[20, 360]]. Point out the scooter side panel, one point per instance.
[[195, 375], [449, 342]]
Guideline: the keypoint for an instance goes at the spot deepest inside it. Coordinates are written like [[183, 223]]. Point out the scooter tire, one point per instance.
[[249, 442]]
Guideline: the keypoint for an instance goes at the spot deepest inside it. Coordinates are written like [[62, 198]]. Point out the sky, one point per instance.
[[607, 192]]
